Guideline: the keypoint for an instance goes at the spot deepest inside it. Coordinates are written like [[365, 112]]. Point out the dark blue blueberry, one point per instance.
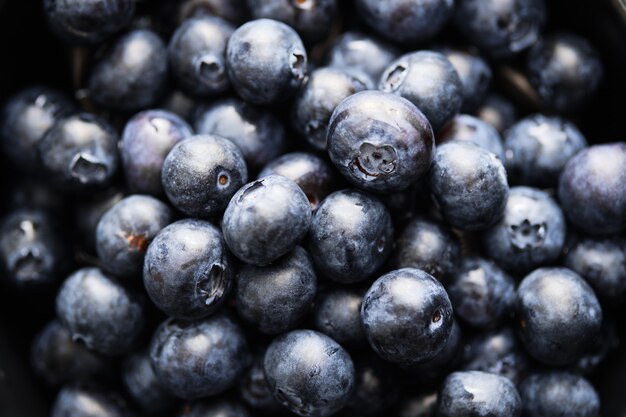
[[234, 11], [132, 74], [90, 210], [380, 142], [146, 140], [255, 391], [375, 390], [559, 316], [469, 184], [187, 270], [309, 373], [475, 393], [337, 313], [89, 400], [565, 70], [197, 56], [559, 393], [501, 29], [498, 111], [466, 128], [351, 236], [591, 189], [276, 297], [80, 152], [26, 117], [420, 405], [179, 103], [428, 80], [265, 219], [100, 312], [266, 61], [475, 75], [201, 174], [143, 386], [198, 359], [538, 147], [215, 408], [407, 316], [530, 234]]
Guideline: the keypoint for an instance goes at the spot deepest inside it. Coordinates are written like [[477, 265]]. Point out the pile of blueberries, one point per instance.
[[315, 207]]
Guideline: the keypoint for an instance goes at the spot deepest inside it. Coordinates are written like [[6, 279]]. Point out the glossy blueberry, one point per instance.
[[469, 184], [265, 219], [187, 270], [538, 147], [466, 128], [428, 80], [337, 313], [475, 393], [407, 316], [201, 174], [234, 11], [591, 189], [146, 140], [565, 70], [375, 390], [351, 236], [309, 373], [266, 61], [198, 359], [80, 152], [99, 311], [142, 384], [380, 142], [90, 210], [255, 391], [475, 75], [498, 111], [215, 408], [197, 56], [558, 314], [88, 400]]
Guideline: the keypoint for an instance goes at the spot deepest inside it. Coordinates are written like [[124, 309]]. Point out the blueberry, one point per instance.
[[605, 344], [337, 313], [498, 111], [142, 384], [565, 70], [35, 194], [538, 147], [420, 405], [558, 314], [234, 11], [309, 373], [407, 316], [100, 312], [132, 74], [374, 388], [90, 210], [197, 56], [187, 270], [379, 141], [351, 236], [591, 189], [198, 359], [428, 80], [470, 185], [255, 391], [89, 400], [265, 219], [472, 129], [276, 297], [80, 152], [475, 393], [201, 174], [266, 61], [179, 103], [215, 408], [475, 75], [146, 140]]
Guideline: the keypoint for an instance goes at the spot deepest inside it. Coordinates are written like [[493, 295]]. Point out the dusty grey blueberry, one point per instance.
[[89, 400], [472, 129], [498, 111], [215, 408], [475, 75], [142, 384], [337, 313]]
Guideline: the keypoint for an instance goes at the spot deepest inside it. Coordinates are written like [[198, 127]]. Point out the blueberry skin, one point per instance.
[[266, 61], [498, 111], [406, 21], [466, 128], [275, 298], [80, 152], [469, 184], [25, 119], [89, 211], [142, 384], [197, 56], [325, 88], [482, 294], [255, 391], [538, 147], [146, 140], [259, 134], [475, 75], [407, 316], [429, 245], [380, 142], [178, 103], [565, 70], [375, 390], [591, 189], [428, 80], [475, 393], [233, 11], [132, 75], [187, 271], [310, 172], [86, 400], [351, 236], [197, 359], [559, 393], [265, 219], [337, 313], [88, 22], [201, 174], [559, 316], [501, 29], [215, 408], [309, 373]]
